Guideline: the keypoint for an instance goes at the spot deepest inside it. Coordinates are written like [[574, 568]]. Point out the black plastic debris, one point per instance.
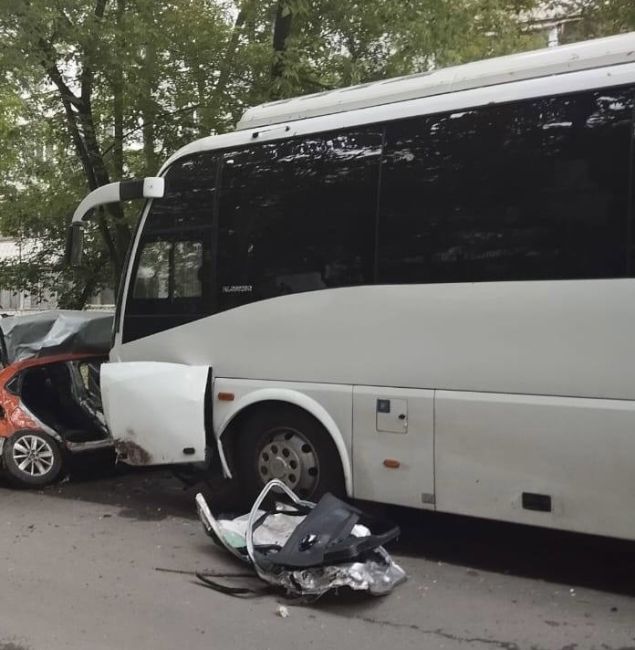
[[306, 548]]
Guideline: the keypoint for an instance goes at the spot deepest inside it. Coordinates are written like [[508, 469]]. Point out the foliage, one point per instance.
[[96, 90], [600, 18]]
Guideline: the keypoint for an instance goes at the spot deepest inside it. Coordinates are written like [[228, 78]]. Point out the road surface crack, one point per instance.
[[505, 645]]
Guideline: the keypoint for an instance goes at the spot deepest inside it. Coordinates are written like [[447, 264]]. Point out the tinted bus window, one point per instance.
[[531, 190], [297, 215], [173, 271]]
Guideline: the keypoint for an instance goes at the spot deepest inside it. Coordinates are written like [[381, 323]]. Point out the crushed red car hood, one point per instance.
[[55, 333]]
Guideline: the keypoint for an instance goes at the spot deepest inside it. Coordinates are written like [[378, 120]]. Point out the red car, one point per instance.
[[50, 405]]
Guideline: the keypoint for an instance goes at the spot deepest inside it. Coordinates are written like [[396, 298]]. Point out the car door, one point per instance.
[[156, 412]]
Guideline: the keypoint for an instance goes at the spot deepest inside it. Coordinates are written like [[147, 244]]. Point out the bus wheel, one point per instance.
[[32, 459], [287, 443]]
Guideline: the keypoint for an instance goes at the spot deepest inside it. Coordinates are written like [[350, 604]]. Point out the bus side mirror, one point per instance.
[[152, 187], [74, 244]]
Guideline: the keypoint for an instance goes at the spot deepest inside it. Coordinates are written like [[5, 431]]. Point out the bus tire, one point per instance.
[[32, 459], [288, 443]]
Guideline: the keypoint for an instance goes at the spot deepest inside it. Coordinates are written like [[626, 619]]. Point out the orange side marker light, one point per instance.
[[226, 397], [391, 463]]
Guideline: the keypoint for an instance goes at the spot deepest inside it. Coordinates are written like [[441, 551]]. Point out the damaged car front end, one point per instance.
[[50, 403]]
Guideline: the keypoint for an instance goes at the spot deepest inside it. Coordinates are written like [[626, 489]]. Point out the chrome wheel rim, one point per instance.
[[290, 457], [33, 455]]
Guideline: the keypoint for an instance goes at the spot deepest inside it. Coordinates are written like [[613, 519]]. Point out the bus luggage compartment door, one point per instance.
[[156, 411], [393, 445]]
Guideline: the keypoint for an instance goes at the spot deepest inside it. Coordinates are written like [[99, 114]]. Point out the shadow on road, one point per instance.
[[140, 494], [554, 556], [572, 559]]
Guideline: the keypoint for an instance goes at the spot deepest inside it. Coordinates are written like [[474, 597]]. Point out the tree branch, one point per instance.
[[228, 60], [102, 224], [67, 98], [87, 74], [100, 8], [281, 32], [54, 74], [117, 94]]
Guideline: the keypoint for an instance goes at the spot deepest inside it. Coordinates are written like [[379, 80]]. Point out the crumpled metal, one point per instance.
[[52, 332], [378, 574]]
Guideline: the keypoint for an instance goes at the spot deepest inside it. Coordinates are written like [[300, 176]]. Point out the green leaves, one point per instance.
[[597, 18], [141, 78]]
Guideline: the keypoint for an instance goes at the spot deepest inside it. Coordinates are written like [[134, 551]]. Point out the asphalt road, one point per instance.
[[79, 570]]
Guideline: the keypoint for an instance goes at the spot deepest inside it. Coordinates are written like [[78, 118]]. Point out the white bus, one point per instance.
[[418, 291]]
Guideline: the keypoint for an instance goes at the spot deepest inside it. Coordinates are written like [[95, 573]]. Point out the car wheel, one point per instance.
[[287, 443], [32, 459]]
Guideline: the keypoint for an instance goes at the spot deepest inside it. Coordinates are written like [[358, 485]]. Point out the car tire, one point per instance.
[[32, 459], [288, 443]]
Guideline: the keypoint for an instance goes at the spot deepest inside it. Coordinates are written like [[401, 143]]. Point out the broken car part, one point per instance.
[[50, 399], [136, 398], [308, 549], [50, 333]]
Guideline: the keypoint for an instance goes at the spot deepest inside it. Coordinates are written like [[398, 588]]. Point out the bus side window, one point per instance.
[[535, 189], [298, 215]]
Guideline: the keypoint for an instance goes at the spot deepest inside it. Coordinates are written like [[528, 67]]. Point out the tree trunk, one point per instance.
[[200, 113], [81, 125], [148, 110], [282, 24], [117, 94], [78, 299], [228, 60], [80, 122]]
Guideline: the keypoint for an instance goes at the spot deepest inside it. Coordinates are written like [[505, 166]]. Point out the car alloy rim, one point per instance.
[[33, 455], [290, 457]]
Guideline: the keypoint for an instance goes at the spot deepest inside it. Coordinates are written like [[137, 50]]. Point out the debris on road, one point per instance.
[[306, 548], [282, 611]]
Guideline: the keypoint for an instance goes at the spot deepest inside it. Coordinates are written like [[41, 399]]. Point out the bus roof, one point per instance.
[[558, 70], [586, 55]]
